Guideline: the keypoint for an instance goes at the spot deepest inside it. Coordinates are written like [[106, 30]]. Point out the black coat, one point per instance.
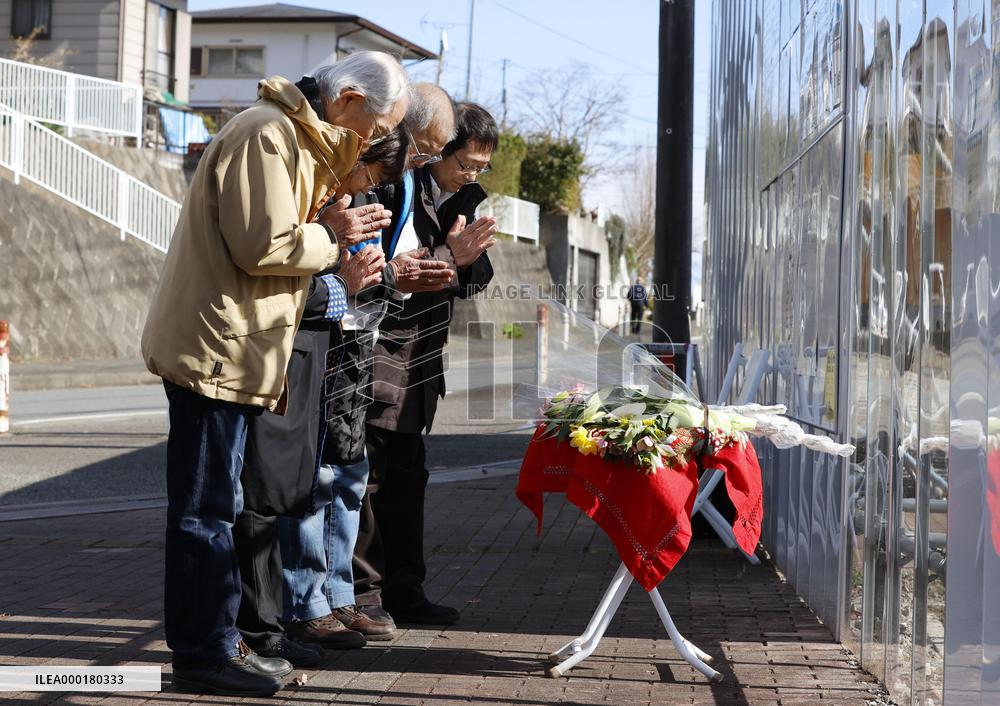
[[408, 367], [280, 460]]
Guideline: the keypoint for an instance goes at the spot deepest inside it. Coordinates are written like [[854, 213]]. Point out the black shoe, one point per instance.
[[299, 654], [423, 612], [237, 676], [268, 666]]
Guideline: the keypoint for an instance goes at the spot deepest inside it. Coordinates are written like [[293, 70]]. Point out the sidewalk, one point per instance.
[[88, 589], [52, 375]]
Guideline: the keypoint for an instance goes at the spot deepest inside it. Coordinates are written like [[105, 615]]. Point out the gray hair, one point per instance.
[[376, 75], [428, 102]]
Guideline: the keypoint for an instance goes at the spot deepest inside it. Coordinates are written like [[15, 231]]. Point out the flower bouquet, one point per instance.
[[652, 432]]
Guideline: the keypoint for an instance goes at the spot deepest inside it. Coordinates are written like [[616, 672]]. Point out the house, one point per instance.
[[141, 42], [233, 48]]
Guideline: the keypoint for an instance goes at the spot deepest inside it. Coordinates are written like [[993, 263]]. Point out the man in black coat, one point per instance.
[[408, 374]]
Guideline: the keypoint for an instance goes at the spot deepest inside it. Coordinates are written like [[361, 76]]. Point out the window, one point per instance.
[[227, 61], [165, 41], [27, 15], [196, 54]]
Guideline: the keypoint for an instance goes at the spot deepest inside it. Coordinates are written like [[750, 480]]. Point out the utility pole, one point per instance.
[[468, 65], [674, 142], [442, 48], [503, 97]]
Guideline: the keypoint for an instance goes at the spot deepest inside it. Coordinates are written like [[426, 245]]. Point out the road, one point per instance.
[[99, 445]]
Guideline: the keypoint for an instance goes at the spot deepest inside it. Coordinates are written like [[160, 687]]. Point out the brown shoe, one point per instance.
[[328, 632], [353, 618]]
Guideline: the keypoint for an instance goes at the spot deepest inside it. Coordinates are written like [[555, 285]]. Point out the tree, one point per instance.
[[567, 105], [615, 231], [24, 52], [550, 174], [639, 196], [505, 175]]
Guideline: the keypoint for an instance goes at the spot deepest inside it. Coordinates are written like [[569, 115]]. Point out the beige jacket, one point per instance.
[[235, 280]]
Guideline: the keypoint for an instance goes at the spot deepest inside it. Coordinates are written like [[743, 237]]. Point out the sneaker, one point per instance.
[[300, 654], [423, 612], [326, 631], [353, 618], [246, 674]]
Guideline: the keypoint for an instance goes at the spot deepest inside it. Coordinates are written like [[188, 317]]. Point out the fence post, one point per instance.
[[542, 338], [4, 377], [123, 203], [71, 97], [140, 117], [17, 146]]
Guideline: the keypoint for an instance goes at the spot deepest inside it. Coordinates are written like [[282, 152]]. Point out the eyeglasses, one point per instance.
[[419, 159], [380, 133], [371, 179], [477, 171]]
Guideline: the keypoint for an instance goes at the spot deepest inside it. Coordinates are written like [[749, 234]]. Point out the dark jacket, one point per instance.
[[280, 459], [408, 368], [329, 383], [350, 390]]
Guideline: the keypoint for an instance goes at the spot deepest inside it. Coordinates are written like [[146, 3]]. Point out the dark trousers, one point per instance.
[[202, 580], [259, 552], [637, 311], [389, 554]]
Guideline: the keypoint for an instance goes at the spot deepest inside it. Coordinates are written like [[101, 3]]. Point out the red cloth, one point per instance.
[[993, 496], [647, 517]]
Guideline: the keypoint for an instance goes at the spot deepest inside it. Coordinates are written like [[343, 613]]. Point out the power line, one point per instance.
[[568, 37]]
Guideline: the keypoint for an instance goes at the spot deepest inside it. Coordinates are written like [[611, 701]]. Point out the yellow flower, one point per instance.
[[580, 439], [647, 422]]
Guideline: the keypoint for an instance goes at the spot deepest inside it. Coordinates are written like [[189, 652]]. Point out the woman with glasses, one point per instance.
[[281, 479]]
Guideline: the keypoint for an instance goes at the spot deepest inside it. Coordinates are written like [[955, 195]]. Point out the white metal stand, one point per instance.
[[578, 649]]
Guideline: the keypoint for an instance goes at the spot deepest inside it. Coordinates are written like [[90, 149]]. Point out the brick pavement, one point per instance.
[[87, 589]]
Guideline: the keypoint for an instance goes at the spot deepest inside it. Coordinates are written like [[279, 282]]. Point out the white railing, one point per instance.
[[74, 101], [33, 151], [515, 217]]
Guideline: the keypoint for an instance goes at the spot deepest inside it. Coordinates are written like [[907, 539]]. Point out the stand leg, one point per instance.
[[588, 642], [691, 654], [576, 644], [724, 531]]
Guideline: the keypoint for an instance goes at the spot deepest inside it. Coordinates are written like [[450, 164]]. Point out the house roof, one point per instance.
[[282, 12]]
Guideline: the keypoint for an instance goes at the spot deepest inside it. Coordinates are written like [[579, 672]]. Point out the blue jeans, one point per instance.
[[316, 551], [202, 581]]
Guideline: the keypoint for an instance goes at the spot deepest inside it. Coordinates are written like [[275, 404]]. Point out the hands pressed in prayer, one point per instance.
[[415, 274], [355, 225], [468, 243], [362, 269]]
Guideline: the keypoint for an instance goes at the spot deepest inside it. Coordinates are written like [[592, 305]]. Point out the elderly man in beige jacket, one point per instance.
[[219, 331]]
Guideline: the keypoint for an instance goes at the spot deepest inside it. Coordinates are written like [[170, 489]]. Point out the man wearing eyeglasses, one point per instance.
[[408, 373]]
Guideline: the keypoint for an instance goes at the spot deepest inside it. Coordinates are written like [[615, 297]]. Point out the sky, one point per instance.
[[617, 40]]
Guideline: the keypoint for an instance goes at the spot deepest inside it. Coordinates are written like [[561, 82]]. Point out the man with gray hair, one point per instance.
[[220, 328]]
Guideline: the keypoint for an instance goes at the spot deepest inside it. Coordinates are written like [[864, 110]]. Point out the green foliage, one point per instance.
[[505, 176], [614, 231], [512, 331], [550, 174], [211, 123]]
